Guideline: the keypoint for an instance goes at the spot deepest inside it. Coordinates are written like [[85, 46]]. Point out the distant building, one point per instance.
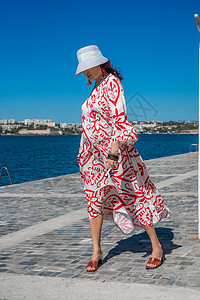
[[7, 121], [159, 127], [149, 125], [156, 122], [9, 127], [48, 131], [38, 122], [138, 128], [70, 125]]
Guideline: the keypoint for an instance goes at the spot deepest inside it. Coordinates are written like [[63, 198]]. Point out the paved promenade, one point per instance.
[[45, 241]]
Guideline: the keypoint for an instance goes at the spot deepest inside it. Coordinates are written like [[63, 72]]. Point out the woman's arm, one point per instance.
[[123, 131], [114, 147], [114, 150]]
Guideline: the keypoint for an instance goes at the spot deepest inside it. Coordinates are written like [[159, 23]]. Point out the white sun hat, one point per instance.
[[89, 57]]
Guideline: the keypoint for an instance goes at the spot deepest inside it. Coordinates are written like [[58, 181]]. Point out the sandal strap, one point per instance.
[[93, 264], [154, 261]]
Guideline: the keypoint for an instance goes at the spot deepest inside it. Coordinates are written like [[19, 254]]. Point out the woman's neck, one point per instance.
[[98, 81]]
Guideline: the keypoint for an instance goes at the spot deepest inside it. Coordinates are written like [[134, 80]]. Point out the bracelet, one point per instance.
[[116, 155], [113, 157]]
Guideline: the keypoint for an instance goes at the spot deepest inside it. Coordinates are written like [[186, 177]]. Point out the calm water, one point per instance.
[[37, 157]]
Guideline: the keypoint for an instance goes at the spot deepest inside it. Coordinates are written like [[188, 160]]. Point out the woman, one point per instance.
[[116, 181]]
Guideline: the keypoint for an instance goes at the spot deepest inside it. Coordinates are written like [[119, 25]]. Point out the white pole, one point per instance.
[[198, 148], [198, 27]]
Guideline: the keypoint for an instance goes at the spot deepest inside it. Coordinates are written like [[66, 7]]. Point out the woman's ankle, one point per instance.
[[97, 252], [157, 247]]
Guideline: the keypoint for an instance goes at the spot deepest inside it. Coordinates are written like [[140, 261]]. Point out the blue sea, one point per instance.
[[31, 158]]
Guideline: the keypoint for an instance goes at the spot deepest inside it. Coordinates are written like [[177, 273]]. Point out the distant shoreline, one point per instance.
[[183, 132]]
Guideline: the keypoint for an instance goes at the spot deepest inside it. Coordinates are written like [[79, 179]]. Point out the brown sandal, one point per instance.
[[94, 264], [155, 261]]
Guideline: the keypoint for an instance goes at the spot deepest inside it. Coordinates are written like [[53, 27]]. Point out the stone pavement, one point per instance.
[[45, 233]]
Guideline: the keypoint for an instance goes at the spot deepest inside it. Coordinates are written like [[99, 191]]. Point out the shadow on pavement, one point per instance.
[[141, 243]]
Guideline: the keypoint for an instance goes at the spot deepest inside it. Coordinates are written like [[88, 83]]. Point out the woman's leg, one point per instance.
[[96, 225], [156, 246]]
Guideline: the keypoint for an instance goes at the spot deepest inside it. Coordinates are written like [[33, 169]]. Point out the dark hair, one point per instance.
[[110, 69]]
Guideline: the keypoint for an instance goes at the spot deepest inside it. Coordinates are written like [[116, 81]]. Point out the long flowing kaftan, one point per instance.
[[126, 195]]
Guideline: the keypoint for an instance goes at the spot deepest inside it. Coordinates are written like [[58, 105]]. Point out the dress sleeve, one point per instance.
[[122, 130]]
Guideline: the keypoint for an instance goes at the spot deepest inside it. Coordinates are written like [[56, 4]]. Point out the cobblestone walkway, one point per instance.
[[45, 230]]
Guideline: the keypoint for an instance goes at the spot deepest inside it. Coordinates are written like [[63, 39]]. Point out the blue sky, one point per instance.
[[153, 43]]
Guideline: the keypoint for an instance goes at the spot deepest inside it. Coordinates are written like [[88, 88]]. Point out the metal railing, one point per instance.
[[193, 146], [7, 174]]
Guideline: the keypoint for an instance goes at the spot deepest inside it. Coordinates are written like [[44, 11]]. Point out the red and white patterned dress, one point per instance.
[[126, 195]]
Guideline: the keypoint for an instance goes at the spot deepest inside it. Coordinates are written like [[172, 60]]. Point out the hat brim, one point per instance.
[[90, 63]]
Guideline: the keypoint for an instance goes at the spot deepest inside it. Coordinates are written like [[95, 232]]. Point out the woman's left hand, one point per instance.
[[112, 164]]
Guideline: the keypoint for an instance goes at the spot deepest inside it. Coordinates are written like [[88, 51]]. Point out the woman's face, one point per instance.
[[93, 73]]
